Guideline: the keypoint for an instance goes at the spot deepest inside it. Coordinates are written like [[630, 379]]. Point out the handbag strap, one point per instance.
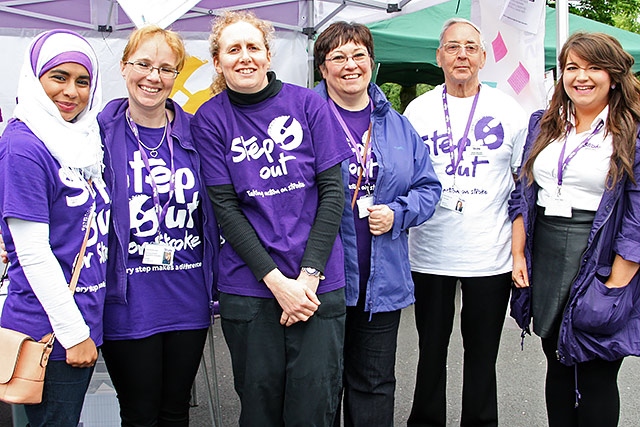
[[78, 263]]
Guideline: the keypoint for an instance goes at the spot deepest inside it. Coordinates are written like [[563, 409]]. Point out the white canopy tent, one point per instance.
[[302, 17], [106, 25]]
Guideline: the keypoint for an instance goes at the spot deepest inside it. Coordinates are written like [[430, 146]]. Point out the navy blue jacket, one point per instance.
[[407, 184]]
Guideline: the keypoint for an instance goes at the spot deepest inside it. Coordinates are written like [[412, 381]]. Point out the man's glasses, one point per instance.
[[358, 58], [146, 69], [454, 48]]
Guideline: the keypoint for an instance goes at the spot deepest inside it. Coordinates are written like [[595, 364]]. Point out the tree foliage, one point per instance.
[[618, 13], [400, 100]]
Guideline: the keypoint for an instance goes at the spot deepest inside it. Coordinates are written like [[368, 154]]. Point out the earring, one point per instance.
[[613, 86]]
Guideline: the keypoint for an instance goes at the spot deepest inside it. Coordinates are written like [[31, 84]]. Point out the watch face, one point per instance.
[[311, 271]]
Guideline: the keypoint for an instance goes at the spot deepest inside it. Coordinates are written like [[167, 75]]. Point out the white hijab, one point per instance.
[[77, 144]]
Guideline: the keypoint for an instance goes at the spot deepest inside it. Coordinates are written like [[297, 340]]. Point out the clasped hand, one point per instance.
[[296, 297]]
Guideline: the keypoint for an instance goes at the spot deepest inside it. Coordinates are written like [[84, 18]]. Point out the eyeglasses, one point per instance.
[[146, 69], [454, 48], [358, 58]]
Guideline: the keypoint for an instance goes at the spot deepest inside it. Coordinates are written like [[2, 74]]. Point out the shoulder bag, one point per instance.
[[23, 360]]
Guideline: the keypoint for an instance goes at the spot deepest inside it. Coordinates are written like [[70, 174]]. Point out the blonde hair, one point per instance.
[[173, 40], [223, 21]]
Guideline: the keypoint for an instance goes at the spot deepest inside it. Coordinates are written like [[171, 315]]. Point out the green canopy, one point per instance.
[[405, 46]]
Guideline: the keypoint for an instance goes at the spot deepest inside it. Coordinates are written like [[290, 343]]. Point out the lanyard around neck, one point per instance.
[[161, 211], [456, 159], [562, 161], [364, 158]]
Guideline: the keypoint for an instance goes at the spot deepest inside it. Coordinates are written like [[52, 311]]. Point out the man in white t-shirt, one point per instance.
[[475, 135]]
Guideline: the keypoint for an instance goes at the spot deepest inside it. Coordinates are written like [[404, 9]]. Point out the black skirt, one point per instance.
[[558, 244]]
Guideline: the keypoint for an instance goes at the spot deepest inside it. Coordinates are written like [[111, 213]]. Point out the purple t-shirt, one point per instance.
[[358, 122], [35, 188], [165, 297], [272, 152]]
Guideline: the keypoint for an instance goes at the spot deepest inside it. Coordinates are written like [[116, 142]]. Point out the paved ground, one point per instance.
[[520, 382]]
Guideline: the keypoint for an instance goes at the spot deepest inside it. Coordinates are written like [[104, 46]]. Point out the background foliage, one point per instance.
[[400, 96], [618, 13]]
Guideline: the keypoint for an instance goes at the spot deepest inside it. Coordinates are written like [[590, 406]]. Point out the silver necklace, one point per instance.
[[153, 152]]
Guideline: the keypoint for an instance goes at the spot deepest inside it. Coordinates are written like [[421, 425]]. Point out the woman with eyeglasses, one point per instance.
[[390, 186], [163, 240], [50, 185], [474, 134]]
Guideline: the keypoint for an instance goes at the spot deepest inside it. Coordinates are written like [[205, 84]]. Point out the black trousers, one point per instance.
[[369, 367], [153, 376], [484, 305], [285, 376], [597, 383]]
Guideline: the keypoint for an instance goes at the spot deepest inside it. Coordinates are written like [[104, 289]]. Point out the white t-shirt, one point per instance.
[[477, 241], [584, 177]]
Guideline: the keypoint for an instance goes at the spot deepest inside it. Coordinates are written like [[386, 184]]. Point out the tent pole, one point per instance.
[[310, 42], [562, 28]]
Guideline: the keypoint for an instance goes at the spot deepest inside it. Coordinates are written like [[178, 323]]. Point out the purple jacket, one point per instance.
[[112, 128], [598, 322]]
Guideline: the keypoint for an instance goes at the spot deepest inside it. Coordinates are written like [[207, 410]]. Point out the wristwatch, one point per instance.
[[313, 272]]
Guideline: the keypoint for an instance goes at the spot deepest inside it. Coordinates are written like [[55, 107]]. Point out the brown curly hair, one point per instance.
[[223, 21]]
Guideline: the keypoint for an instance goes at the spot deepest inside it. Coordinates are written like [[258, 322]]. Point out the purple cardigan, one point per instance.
[[598, 322]]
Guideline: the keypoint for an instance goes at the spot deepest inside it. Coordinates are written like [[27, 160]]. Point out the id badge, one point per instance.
[[156, 254], [559, 207], [478, 151], [452, 203], [363, 203]]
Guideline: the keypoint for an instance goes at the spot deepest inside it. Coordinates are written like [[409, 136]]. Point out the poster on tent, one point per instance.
[[515, 55], [191, 88]]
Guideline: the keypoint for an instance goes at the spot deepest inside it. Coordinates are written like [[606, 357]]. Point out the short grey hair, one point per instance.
[[452, 21]]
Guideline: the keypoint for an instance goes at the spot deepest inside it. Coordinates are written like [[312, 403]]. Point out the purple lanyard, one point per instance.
[[447, 119], [562, 161], [353, 141], [161, 211]]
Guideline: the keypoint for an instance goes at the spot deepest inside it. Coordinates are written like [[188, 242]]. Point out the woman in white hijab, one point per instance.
[[50, 185]]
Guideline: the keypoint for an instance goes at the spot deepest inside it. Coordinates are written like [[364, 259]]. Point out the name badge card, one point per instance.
[[559, 207], [157, 254], [363, 203], [451, 202], [478, 151]]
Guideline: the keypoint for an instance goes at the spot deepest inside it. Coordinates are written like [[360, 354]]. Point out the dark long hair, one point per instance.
[[604, 51]]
